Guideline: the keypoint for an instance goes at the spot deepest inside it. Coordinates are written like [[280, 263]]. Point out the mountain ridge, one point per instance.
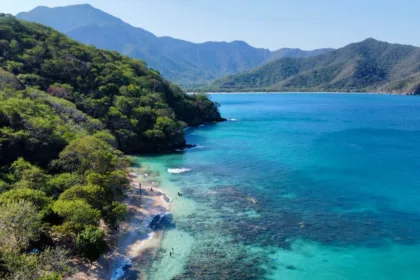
[[296, 52], [369, 65], [178, 60], [68, 23]]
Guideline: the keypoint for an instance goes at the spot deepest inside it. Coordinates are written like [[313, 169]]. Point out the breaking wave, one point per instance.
[[178, 170]]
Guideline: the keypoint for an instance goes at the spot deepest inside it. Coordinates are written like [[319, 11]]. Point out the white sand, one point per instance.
[[132, 238]]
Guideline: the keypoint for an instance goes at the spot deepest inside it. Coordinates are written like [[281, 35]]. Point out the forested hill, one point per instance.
[[369, 65], [65, 110], [183, 62], [145, 112], [289, 52]]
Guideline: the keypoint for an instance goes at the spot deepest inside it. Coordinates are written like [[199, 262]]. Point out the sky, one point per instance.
[[272, 24]]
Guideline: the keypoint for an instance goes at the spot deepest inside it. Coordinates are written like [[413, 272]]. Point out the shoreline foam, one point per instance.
[[178, 170]]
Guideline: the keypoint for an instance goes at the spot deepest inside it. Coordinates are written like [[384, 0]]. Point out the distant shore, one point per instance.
[[296, 92]]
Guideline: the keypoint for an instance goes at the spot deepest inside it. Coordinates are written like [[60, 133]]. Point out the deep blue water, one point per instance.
[[301, 186]]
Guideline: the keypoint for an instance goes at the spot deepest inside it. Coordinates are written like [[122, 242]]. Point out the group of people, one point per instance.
[[151, 189]]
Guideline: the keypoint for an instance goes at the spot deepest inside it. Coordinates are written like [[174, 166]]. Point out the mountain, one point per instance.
[[69, 18], [145, 112], [369, 65], [180, 61], [288, 52]]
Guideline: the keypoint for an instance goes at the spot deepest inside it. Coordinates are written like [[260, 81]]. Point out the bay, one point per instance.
[[296, 186]]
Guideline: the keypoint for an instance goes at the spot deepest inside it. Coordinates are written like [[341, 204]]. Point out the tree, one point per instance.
[[9, 80], [77, 214], [115, 182], [114, 213], [92, 194], [91, 243], [107, 137], [87, 153], [14, 46], [36, 197], [3, 186], [28, 175], [61, 182], [50, 264], [55, 261], [19, 224], [20, 266]]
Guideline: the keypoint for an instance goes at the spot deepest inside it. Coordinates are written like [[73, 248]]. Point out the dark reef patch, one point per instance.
[[225, 232], [162, 222]]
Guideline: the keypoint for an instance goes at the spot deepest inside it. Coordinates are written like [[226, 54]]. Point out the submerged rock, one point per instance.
[[162, 222]]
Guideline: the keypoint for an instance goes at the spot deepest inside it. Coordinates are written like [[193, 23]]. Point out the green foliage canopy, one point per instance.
[[130, 99]]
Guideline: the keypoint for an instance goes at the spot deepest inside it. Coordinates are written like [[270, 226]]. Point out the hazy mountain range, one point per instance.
[[181, 61], [369, 65]]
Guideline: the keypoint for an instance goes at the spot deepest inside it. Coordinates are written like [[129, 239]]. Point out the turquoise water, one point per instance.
[[296, 186]]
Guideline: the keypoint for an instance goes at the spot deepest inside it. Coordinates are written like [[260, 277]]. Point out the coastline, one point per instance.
[[135, 244], [301, 92], [300, 260]]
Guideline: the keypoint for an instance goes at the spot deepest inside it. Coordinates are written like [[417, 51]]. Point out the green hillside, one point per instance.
[[145, 112], [366, 66], [289, 52], [65, 111]]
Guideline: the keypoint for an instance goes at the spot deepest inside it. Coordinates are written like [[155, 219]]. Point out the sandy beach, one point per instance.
[[135, 243]]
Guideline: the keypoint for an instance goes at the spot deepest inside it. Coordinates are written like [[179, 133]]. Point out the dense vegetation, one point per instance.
[[366, 66], [180, 61], [60, 175], [144, 112], [65, 111]]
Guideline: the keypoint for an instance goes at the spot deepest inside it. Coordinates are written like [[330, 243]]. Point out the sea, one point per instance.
[[294, 186]]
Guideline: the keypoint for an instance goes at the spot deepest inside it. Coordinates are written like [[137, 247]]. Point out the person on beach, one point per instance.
[[140, 185], [151, 189]]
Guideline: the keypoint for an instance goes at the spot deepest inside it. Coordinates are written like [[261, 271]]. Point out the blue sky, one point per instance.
[[272, 24]]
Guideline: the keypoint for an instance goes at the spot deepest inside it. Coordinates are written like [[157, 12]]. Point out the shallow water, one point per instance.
[[296, 186]]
